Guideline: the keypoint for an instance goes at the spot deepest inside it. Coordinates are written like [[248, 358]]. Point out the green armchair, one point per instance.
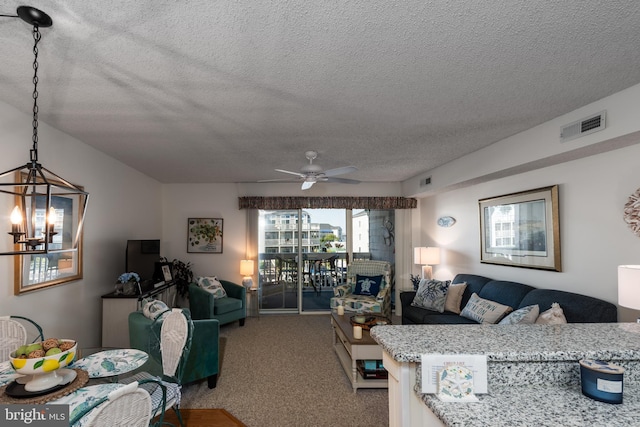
[[226, 309], [204, 357]]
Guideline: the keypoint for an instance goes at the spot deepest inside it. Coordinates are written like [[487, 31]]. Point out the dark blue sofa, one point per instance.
[[577, 308]]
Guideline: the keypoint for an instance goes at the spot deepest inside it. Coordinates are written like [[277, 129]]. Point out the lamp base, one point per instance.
[[427, 272], [247, 282]]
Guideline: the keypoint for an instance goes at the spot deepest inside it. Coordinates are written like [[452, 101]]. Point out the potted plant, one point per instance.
[[182, 275]]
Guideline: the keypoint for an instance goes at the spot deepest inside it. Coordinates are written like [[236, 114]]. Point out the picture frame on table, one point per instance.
[[204, 235], [521, 229]]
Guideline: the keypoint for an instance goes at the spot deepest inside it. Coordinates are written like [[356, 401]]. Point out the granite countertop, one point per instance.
[[538, 406], [513, 343]]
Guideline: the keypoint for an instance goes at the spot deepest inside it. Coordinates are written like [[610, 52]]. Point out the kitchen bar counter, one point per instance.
[[533, 373]]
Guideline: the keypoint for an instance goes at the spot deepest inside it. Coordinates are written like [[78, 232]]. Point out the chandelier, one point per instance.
[[49, 210]]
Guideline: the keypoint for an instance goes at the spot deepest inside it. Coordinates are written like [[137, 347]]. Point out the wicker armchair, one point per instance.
[[379, 304]]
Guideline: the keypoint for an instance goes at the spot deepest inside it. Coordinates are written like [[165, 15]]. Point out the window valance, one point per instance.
[[274, 203]]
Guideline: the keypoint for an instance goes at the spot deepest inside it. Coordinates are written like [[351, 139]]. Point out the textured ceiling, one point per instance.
[[227, 91]]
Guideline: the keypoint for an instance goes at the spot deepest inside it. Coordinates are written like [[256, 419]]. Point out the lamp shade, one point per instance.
[[629, 286], [246, 267], [426, 255]]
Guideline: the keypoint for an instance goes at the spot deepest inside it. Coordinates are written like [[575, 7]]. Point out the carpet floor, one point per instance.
[[282, 370]]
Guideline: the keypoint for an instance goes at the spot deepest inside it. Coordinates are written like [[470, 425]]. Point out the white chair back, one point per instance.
[[128, 406], [173, 339], [12, 335]]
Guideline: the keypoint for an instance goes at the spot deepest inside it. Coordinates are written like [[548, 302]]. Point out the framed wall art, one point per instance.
[[521, 229], [204, 235]]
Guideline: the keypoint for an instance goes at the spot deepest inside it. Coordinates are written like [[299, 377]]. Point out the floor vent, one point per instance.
[[583, 127]]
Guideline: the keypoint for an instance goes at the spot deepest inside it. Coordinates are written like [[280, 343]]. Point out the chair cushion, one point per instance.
[[152, 309], [173, 390], [367, 285], [226, 305], [213, 286]]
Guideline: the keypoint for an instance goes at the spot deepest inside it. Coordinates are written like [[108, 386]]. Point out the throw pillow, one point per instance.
[[454, 297], [553, 316], [431, 294], [152, 309], [483, 310], [212, 285], [367, 285], [524, 316]]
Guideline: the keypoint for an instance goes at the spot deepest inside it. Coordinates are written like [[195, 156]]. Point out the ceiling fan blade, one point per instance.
[[289, 172], [279, 180], [343, 180], [340, 171], [307, 184]]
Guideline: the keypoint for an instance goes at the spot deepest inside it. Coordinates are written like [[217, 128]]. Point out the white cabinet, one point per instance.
[[116, 309]]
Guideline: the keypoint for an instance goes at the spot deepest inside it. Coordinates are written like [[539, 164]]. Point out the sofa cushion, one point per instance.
[[484, 311], [213, 286], [431, 294], [226, 305], [577, 308], [553, 316], [454, 297], [367, 285], [505, 292], [523, 316], [474, 285]]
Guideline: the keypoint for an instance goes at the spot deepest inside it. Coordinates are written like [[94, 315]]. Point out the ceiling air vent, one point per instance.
[[425, 181], [583, 127]]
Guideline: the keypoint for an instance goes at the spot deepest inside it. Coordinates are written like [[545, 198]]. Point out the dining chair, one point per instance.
[[128, 406], [174, 345], [13, 334]]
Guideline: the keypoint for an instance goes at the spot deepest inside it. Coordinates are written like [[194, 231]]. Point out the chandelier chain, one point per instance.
[[36, 38]]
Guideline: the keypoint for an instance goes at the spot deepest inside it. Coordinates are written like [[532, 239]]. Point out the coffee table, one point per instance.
[[350, 350]]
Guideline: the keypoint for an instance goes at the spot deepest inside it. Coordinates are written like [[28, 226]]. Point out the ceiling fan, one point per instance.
[[312, 173]]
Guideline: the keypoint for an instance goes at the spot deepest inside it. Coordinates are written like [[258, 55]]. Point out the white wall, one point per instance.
[[183, 201], [123, 204], [595, 183]]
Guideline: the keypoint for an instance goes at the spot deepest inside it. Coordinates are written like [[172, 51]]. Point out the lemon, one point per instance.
[[19, 363], [50, 365]]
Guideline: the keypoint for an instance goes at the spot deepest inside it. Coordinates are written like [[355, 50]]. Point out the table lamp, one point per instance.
[[426, 256], [246, 270], [629, 286]]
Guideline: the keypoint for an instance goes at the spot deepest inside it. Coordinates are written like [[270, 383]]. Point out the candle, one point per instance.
[[357, 332], [340, 310]]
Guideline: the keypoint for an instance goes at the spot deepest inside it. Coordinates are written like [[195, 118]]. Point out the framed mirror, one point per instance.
[[64, 262]]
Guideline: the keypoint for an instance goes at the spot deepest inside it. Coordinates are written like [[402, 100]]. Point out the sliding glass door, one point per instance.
[[302, 257], [303, 253]]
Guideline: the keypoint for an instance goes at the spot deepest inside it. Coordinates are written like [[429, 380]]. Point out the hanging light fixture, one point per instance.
[[46, 205]]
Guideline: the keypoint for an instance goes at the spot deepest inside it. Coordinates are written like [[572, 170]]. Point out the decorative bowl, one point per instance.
[[41, 371]]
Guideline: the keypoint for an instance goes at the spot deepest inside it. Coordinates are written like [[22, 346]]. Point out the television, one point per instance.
[[141, 258]]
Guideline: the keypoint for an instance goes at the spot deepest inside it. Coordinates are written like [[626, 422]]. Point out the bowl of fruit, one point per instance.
[[41, 363]]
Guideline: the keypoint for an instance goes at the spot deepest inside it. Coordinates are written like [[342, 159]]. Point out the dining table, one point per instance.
[[88, 385]]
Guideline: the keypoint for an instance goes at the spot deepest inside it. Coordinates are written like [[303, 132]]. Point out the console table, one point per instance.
[[533, 373], [116, 309], [350, 350]]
